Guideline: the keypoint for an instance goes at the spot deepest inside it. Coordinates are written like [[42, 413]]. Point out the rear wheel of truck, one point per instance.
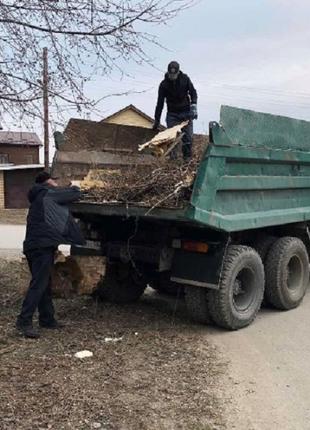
[[235, 304], [196, 299], [122, 284], [287, 273]]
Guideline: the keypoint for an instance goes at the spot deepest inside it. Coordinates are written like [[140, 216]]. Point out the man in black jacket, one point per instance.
[[181, 98], [49, 224]]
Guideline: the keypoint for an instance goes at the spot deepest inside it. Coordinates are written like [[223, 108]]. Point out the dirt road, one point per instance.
[[270, 370]]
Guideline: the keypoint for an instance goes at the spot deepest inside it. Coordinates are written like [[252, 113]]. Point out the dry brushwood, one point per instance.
[[165, 183]]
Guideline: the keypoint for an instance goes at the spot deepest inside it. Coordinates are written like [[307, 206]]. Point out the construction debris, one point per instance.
[[165, 183], [164, 142]]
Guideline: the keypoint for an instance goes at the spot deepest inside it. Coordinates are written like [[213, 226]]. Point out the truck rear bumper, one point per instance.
[[160, 257]]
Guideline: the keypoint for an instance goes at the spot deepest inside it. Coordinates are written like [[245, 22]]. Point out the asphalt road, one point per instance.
[[11, 240], [269, 365]]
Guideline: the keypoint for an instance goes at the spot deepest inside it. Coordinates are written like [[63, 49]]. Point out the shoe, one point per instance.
[[28, 331], [53, 325]]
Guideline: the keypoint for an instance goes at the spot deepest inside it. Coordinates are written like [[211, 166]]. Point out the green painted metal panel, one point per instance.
[[257, 167], [249, 128], [205, 188], [252, 220], [262, 182], [251, 154], [244, 201]]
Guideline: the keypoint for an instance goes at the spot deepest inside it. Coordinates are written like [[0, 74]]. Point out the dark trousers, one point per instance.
[[173, 119], [39, 295]]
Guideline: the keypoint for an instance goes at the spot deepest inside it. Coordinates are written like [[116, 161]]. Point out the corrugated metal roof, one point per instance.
[[19, 138]]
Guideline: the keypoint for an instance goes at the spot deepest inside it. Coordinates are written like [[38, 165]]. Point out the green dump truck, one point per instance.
[[243, 237]]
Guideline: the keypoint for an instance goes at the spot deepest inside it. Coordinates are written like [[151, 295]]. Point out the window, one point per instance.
[[29, 159], [4, 158]]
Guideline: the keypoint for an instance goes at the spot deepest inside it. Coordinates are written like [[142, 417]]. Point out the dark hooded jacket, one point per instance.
[[179, 95], [49, 222]]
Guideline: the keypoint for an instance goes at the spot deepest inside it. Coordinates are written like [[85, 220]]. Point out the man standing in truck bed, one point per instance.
[[181, 98]]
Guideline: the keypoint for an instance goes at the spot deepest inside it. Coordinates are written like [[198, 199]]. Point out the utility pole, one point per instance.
[[45, 110]]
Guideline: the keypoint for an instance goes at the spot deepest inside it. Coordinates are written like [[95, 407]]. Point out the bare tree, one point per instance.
[[85, 38]]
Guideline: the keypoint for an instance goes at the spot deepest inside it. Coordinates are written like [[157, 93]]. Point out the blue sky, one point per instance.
[[247, 53]]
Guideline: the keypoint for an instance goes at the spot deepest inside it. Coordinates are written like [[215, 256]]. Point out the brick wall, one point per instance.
[[22, 154], [1, 191]]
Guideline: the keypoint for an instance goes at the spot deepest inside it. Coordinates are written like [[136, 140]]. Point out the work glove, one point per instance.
[[193, 111], [156, 125]]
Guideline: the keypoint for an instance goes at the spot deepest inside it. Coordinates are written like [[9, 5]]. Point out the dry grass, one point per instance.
[[164, 373]]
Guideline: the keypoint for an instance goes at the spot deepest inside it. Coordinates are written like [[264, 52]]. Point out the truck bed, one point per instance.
[[123, 210], [255, 173]]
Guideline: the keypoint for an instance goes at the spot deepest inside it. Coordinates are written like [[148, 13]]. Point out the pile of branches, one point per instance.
[[165, 184]]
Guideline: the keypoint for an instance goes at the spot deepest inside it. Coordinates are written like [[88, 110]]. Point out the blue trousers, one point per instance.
[[39, 295], [175, 118]]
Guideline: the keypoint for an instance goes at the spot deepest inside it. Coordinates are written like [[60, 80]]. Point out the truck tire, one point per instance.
[[241, 289], [121, 284], [287, 273], [196, 299]]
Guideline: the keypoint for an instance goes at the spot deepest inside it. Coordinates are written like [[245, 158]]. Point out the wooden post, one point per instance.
[[45, 110]]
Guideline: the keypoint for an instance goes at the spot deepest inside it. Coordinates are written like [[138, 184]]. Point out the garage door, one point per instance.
[[16, 186]]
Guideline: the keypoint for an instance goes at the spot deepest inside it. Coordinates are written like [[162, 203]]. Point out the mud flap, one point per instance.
[[197, 269]]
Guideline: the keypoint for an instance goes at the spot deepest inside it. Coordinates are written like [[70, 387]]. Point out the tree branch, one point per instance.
[[94, 33]]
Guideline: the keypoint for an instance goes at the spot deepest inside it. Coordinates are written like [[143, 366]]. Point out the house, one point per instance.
[[130, 115], [19, 164], [19, 147]]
